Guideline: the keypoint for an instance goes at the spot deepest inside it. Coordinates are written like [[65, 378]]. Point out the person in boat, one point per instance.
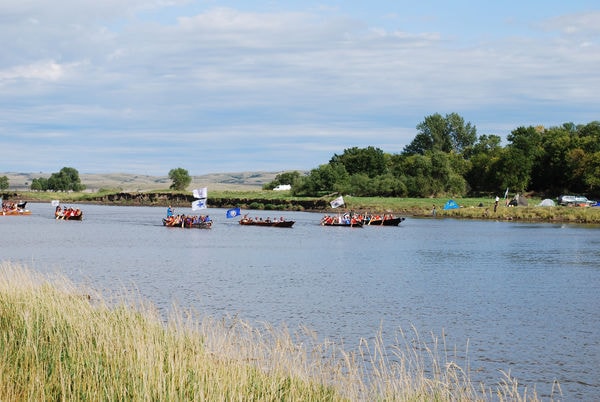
[[170, 212], [58, 212]]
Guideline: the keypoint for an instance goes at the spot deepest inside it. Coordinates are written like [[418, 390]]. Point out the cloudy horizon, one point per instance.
[[224, 86]]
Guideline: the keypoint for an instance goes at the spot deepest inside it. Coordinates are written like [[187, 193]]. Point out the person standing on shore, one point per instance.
[[496, 203]]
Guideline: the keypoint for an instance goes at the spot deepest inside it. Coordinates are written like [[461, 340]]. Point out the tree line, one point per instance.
[[448, 158]]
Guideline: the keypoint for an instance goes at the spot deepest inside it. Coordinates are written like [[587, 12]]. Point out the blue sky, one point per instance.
[[145, 86]]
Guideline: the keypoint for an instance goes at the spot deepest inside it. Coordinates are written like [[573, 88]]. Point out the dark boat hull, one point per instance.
[[78, 217], [283, 224], [188, 225], [346, 225], [385, 222]]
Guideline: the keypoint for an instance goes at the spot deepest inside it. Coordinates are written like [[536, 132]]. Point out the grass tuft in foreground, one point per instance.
[[61, 342]]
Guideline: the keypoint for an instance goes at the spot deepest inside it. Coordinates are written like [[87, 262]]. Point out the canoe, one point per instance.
[[77, 217], [346, 224], [186, 223], [16, 212], [383, 222], [350, 221], [197, 225], [278, 224]]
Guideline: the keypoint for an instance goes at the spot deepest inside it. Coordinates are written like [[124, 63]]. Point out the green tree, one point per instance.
[[446, 134], [370, 161], [483, 158], [551, 173], [181, 179], [3, 183], [516, 162], [322, 180], [39, 184], [65, 180]]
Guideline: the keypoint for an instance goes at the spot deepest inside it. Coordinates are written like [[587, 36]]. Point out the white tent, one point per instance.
[[546, 203]]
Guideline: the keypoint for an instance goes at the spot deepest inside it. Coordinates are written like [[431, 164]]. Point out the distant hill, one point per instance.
[[135, 182]]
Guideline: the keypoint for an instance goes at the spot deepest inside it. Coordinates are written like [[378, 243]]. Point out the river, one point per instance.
[[520, 297]]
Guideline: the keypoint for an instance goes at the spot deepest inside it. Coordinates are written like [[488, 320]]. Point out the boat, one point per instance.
[[343, 221], [189, 222], [268, 222], [12, 209], [10, 212], [385, 220], [68, 214]]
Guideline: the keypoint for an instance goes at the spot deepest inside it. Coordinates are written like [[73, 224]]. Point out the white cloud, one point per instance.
[[134, 72]]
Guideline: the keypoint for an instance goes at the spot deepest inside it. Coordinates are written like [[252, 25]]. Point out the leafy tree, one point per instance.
[[65, 180], [591, 174], [181, 179], [3, 183], [325, 179], [516, 162], [483, 158], [370, 161], [389, 186], [446, 134], [551, 173], [39, 184]]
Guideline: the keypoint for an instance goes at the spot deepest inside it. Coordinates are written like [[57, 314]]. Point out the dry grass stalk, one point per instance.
[[61, 342]]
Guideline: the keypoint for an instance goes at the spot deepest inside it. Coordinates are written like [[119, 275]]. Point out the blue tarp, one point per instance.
[[451, 204]]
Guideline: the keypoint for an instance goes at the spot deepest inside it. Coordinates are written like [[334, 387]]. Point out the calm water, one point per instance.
[[520, 297]]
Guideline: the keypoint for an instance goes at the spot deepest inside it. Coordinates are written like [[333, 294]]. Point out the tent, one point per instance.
[[546, 203], [518, 200], [451, 204], [522, 201]]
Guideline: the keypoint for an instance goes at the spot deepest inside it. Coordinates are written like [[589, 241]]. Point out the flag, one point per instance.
[[200, 192], [55, 203], [506, 193], [232, 213], [337, 202], [199, 204]]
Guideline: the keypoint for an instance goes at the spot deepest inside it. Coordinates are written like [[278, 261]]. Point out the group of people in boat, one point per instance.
[[185, 220], [352, 218], [177, 220], [246, 218], [347, 218], [66, 212], [9, 206], [14, 208]]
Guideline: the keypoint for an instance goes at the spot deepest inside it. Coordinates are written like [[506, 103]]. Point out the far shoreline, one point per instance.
[[477, 208]]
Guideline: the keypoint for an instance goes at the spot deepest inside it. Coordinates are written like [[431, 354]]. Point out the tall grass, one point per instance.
[[62, 342]]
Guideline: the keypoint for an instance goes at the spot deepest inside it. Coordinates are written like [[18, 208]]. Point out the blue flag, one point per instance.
[[232, 213]]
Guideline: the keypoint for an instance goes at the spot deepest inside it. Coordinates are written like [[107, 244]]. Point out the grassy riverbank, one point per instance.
[[63, 342], [471, 208]]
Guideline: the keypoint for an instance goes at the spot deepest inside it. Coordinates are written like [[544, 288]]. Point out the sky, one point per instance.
[[146, 86]]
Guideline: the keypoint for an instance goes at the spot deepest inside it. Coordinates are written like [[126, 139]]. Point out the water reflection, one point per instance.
[[520, 297]]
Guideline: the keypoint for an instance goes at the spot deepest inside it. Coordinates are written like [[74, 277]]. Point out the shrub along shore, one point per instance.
[[470, 208], [64, 342]]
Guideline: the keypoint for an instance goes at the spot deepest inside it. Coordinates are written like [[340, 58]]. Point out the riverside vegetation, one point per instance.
[[471, 207], [64, 342]]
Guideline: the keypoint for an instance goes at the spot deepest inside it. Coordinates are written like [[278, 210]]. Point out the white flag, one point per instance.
[[55, 203], [199, 204], [200, 192], [337, 202]]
